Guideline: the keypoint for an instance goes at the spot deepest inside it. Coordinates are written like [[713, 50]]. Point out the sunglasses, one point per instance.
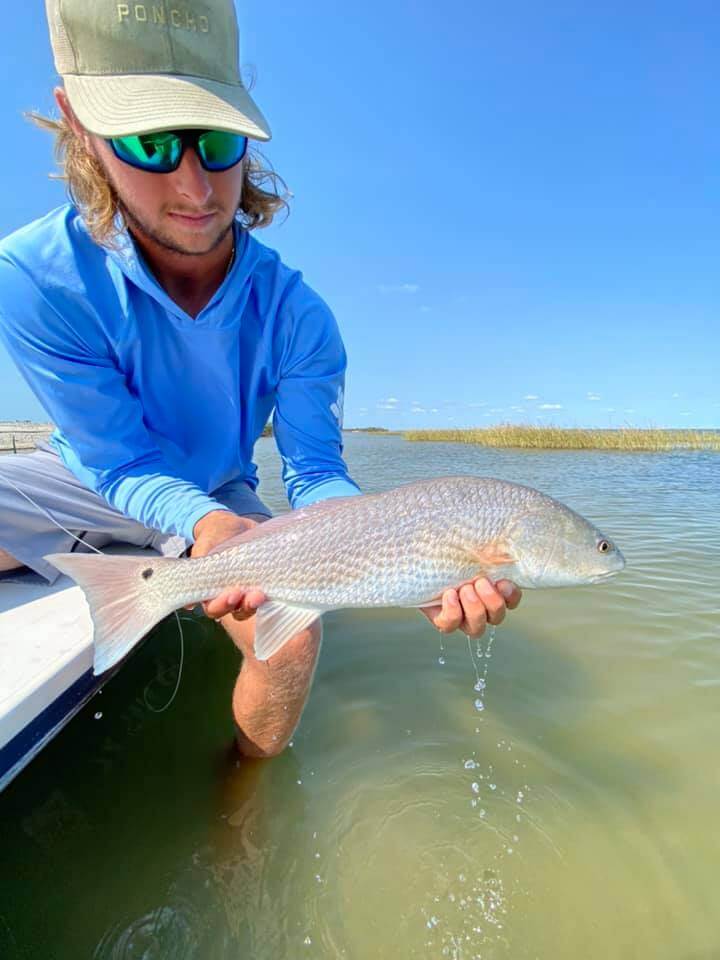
[[161, 152]]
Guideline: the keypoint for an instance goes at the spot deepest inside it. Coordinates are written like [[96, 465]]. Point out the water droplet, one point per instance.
[[318, 878], [432, 922], [479, 705], [307, 941], [292, 743], [441, 661], [299, 782], [483, 812], [315, 835], [470, 764], [480, 685], [493, 786], [461, 877], [520, 797], [509, 849], [98, 715], [475, 787], [516, 838], [317, 856]]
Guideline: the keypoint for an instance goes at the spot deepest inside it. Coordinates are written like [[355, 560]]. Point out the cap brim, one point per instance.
[[118, 106]]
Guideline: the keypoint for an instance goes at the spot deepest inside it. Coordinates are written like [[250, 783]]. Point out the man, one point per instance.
[[159, 334]]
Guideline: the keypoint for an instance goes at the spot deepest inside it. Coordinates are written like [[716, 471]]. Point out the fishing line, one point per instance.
[[85, 543]]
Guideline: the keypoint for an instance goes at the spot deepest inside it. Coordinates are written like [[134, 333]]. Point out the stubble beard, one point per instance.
[[137, 224]]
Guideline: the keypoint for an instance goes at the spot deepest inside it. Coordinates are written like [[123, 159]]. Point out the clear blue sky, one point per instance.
[[511, 206]]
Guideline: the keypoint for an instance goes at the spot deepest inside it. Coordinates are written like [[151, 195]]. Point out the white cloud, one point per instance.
[[531, 396], [593, 396], [418, 410], [363, 409], [551, 406], [398, 287], [674, 396], [496, 409], [480, 403], [434, 410], [518, 409]]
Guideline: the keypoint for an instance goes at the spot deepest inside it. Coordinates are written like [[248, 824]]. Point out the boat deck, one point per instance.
[[46, 655]]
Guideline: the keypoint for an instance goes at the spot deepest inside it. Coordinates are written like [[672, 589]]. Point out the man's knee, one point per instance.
[[8, 562]]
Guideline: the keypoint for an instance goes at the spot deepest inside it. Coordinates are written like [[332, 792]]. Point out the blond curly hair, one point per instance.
[[98, 203]]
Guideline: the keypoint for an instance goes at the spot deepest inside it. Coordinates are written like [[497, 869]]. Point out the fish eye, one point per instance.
[[604, 546]]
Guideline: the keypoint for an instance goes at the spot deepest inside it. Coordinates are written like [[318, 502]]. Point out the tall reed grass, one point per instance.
[[558, 438]]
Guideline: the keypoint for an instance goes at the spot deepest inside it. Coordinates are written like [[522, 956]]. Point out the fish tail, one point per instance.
[[124, 604]]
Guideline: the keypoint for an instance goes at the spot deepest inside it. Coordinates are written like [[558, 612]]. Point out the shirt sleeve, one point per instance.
[[307, 420], [69, 365]]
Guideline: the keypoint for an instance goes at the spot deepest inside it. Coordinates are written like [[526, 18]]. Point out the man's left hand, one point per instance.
[[473, 606]]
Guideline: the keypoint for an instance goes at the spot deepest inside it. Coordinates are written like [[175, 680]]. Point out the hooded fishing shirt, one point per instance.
[[156, 409]]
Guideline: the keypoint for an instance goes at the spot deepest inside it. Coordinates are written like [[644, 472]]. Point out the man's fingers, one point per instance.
[[241, 605], [450, 616], [511, 593], [492, 600]]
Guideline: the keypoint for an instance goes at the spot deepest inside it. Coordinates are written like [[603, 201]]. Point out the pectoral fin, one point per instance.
[[494, 554], [276, 623]]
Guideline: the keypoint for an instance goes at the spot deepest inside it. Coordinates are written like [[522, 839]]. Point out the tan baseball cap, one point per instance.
[[131, 68]]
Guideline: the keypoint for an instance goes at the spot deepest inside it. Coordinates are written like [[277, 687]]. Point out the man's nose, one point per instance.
[[191, 180]]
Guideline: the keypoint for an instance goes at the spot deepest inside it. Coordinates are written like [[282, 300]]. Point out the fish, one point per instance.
[[399, 548]]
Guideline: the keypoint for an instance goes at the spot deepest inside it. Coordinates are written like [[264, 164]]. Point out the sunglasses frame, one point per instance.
[[187, 138]]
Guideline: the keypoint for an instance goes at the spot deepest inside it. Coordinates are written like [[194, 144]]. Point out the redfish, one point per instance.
[[401, 548]]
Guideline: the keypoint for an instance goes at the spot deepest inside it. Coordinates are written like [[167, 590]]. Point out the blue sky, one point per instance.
[[512, 207]]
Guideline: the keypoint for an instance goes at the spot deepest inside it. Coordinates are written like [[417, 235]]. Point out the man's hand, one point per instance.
[[473, 605], [210, 531]]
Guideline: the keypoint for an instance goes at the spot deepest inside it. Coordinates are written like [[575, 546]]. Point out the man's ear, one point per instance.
[[61, 99]]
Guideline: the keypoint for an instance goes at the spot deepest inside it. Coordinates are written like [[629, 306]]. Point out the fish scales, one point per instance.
[[401, 548], [398, 548]]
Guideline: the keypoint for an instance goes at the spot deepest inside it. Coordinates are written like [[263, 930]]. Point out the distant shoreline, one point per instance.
[[18, 435]]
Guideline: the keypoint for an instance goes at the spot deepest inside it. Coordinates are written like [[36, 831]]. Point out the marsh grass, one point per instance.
[[558, 438]]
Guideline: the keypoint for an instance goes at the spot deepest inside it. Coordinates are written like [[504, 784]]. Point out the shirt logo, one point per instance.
[[337, 408]]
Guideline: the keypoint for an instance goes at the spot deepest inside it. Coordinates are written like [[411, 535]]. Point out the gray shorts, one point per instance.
[[28, 534]]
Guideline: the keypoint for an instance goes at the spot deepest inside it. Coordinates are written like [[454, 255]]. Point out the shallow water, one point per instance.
[[575, 815]]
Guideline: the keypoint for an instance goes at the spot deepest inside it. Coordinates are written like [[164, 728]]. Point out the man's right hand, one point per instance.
[[209, 532]]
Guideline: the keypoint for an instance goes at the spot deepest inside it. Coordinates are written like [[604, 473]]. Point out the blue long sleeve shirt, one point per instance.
[[155, 409]]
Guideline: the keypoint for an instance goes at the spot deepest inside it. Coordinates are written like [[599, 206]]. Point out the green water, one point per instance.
[[574, 816]]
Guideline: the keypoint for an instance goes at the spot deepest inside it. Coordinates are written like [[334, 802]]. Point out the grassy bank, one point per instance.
[[556, 438]]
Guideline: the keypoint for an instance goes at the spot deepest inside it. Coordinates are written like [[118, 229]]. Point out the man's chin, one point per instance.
[[182, 235]]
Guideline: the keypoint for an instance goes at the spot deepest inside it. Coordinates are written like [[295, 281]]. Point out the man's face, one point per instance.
[[188, 211]]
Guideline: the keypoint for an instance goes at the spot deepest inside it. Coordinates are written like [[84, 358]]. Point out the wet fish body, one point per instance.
[[400, 548]]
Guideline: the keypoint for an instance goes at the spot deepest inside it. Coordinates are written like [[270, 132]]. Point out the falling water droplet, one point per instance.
[[480, 685], [475, 787], [479, 705], [441, 661], [469, 764], [98, 715]]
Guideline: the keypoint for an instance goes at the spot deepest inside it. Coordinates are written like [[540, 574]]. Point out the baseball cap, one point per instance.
[[131, 68]]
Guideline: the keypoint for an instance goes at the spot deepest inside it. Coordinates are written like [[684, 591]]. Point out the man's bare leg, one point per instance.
[[269, 695], [8, 562]]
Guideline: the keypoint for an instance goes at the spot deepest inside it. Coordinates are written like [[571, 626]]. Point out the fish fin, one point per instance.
[[276, 623], [123, 605], [292, 518], [494, 554]]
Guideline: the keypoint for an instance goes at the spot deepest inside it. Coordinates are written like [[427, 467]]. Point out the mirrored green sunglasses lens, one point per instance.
[[149, 151], [220, 150]]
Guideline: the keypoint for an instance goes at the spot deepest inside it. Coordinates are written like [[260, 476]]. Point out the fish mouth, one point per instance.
[[601, 577]]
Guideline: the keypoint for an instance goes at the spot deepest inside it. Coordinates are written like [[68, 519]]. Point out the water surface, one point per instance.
[[575, 815]]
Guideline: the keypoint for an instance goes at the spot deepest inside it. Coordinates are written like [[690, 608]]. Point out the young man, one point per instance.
[[159, 334]]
